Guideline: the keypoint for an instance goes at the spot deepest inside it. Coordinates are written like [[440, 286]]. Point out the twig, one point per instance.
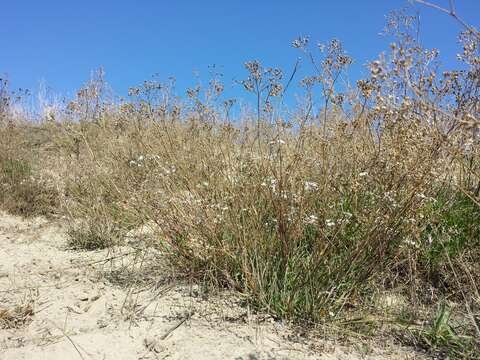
[[452, 6], [162, 292], [292, 76], [176, 326], [69, 339], [435, 6], [452, 12]]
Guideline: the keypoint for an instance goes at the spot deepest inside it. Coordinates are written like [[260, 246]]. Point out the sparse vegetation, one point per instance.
[[310, 213], [22, 193], [16, 317]]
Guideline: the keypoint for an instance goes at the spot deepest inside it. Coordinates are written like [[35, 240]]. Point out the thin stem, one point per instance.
[[452, 12]]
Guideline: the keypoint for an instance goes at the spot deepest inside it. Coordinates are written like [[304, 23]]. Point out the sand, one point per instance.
[[67, 304]]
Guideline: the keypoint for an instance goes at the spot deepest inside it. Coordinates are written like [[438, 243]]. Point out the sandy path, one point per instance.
[[83, 310]]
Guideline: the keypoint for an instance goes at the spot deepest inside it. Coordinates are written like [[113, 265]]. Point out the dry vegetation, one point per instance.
[[362, 217]]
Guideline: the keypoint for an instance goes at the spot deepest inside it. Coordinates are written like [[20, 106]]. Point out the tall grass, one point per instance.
[[311, 214]]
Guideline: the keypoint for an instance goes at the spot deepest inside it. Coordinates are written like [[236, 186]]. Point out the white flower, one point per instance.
[[411, 242], [165, 170], [310, 186], [468, 145], [329, 222], [202, 184], [141, 158], [311, 219], [421, 196], [278, 141], [389, 196], [273, 183], [362, 174]]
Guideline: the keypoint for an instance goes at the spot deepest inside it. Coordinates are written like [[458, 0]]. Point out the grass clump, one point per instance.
[[93, 236], [96, 204], [24, 194], [16, 317], [445, 337]]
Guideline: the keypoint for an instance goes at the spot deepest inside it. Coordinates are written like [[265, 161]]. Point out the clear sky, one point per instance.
[[61, 41]]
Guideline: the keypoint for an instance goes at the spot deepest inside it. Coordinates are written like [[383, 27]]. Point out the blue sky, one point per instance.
[[61, 41]]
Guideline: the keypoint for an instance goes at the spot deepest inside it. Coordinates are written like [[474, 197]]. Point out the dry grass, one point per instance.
[[15, 317], [311, 215]]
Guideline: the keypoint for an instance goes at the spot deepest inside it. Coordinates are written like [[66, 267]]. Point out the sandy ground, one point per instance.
[[67, 304]]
